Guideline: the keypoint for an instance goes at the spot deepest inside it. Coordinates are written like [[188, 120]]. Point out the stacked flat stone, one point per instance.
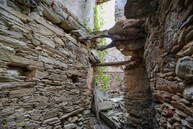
[[169, 58], [43, 68]]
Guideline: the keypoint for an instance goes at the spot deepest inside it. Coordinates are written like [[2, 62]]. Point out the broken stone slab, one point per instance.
[[72, 114], [12, 41], [40, 75], [51, 15], [21, 92], [74, 73], [187, 50], [51, 121], [78, 33], [181, 113], [22, 29], [70, 24], [72, 39], [16, 85], [18, 14], [58, 41], [105, 105], [45, 40], [190, 119], [61, 12], [47, 2], [46, 59], [7, 49], [51, 114], [67, 25], [70, 126], [12, 34], [186, 123], [110, 122], [96, 56], [6, 14], [47, 24], [16, 60], [40, 29], [8, 78], [169, 86], [182, 107], [28, 3]]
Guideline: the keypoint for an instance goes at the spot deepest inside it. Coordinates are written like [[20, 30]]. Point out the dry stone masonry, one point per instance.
[[168, 57], [43, 67]]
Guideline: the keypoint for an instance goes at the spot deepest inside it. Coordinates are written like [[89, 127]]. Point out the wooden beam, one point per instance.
[[119, 63], [101, 1]]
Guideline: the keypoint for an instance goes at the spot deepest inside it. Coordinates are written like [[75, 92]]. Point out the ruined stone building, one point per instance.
[[46, 68]]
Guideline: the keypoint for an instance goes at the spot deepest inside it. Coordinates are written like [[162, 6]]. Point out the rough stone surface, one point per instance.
[[188, 93], [168, 57], [119, 9], [184, 67], [140, 8], [105, 105], [70, 126], [43, 70]]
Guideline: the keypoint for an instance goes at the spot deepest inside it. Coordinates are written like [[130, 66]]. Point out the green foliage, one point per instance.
[[85, 24], [101, 42], [118, 78], [98, 19], [100, 78]]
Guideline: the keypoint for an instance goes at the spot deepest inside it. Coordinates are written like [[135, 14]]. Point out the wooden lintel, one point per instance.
[[119, 63]]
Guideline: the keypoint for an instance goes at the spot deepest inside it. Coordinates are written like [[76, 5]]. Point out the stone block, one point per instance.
[[40, 29], [45, 40], [51, 114], [70, 24], [75, 112], [3, 2], [11, 41], [51, 15], [188, 93], [169, 86], [21, 92], [46, 59], [59, 41], [45, 23], [140, 8], [187, 50], [78, 33], [72, 39], [105, 105], [70, 126], [52, 121], [9, 16], [184, 67], [16, 85]]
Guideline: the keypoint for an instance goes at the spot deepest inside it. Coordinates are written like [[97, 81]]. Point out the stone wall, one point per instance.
[[43, 68], [137, 97], [119, 9], [83, 9], [169, 60]]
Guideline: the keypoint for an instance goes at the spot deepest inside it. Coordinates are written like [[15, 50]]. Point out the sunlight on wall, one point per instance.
[[113, 54], [109, 14]]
